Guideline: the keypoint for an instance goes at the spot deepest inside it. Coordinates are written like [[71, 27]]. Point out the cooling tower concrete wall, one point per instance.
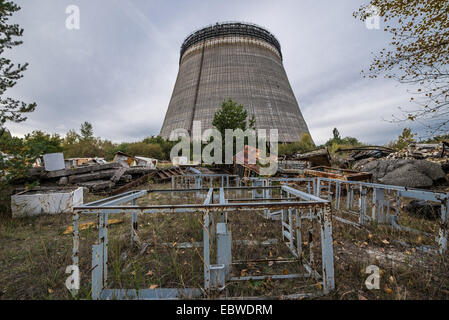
[[244, 66]]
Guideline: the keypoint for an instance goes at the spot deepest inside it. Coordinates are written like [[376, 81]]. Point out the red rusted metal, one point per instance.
[[337, 173]]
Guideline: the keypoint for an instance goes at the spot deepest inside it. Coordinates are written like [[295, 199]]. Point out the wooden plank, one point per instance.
[[80, 170], [133, 184], [118, 174], [100, 175]]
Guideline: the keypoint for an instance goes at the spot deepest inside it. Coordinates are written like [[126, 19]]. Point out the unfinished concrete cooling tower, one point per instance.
[[238, 61]]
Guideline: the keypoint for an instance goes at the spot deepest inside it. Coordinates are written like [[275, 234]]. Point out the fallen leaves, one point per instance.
[[89, 225], [149, 273], [268, 282], [83, 226]]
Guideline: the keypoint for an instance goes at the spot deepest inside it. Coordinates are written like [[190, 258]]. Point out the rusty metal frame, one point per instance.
[[199, 181], [380, 211], [215, 275], [336, 173]]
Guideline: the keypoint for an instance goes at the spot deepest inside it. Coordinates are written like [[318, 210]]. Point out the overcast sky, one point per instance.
[[118, 71]]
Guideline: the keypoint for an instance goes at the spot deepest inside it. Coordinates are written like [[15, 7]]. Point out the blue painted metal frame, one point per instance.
[[118, 204], [381, 206]]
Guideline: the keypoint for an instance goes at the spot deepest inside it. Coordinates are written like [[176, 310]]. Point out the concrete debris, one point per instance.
[[63, 181], [40, 173], [431, 152], [107, 176], [128, 161], [146, 162], [125, 160], [317, 158], [42, 202], [99, 175], [375, 152], [417, 166], [98, 185], [78, 162], [406, 172], [118, 175]]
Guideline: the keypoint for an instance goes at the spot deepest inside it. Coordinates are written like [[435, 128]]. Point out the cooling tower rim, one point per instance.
[[230, 28]]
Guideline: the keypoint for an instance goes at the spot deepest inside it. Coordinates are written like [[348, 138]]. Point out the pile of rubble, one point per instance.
[[96, 177], [438, 153], [417, 166], [410, 173], [123, 173]]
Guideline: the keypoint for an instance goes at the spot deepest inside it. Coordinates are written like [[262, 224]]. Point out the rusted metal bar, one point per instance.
[[214, 274]]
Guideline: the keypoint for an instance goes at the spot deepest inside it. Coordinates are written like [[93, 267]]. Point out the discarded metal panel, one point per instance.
[[54, 161]]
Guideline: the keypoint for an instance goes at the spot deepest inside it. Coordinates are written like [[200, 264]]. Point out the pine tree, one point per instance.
[[10, 109]]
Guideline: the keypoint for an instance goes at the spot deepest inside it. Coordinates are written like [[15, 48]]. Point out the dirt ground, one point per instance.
[[34, 254]]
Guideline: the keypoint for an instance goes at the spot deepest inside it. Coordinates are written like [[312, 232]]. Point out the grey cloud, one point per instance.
[[119, 69]]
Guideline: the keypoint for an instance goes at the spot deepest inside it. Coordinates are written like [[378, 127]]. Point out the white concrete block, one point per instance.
[[35, 203]]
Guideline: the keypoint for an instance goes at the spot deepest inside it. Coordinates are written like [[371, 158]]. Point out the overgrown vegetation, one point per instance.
[[232, 116], [337, 142], [35, 255], [79, 145], [303, 145], [306, 144], [406, 138]]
